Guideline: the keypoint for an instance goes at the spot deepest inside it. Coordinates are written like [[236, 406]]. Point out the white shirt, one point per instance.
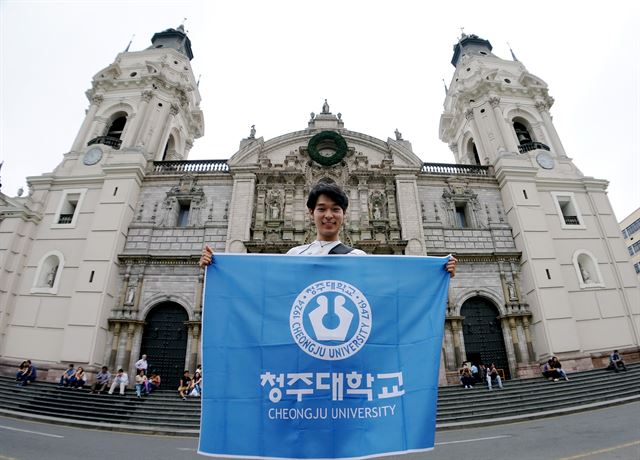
[[141, 364], [320, 248]]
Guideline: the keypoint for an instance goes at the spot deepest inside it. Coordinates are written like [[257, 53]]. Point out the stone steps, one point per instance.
[[163, 412]]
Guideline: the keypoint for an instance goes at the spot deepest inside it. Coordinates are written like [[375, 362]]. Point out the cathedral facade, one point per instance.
[[99, 261]]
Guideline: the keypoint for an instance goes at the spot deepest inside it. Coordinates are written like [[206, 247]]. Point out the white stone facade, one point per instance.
[[99, 247]]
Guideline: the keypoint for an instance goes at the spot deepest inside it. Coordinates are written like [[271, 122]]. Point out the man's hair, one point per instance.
[[105, 368], [330, 189], [120, 370], [70, 364]]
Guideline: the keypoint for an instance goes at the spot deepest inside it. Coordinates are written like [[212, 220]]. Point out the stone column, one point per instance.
[[122, 345], [136, 343], [481, 145], [363, 204], [515, 274], [132, 136], [410, 214], [508, 142], [543, 108], [125, 286], [98, 128], [194, 344], [514, 339], [240, 210], [449, 354], [527, 335], [505, 289], [136, 302], [393, 210], [81, 139], [456, 328], [115, 341], [155, 146], [289, 202], [131, 329]]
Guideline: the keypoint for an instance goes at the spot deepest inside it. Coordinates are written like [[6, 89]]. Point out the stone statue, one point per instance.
[[325, 107], [586, 277], [512, 291], [51, 276], [398, 135], [377, 201], [273, 205], [131, 295], [252, 133]]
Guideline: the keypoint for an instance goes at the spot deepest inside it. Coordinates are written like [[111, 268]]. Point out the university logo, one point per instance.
[[330, 320]]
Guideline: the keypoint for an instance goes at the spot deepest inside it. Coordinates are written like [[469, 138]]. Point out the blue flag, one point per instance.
[[314, 357]]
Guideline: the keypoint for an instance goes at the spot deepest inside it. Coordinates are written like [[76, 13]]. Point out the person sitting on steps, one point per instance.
[[154, 382], [615, 362], [493, 376], [121, 380], [78, 380], [141, 383], [67, 375], [102, 380], [185, 385], [466, 377], [554, 363], [549, 372], [26, 373]]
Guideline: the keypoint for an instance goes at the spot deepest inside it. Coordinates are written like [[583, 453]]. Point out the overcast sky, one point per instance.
[[381, 64]]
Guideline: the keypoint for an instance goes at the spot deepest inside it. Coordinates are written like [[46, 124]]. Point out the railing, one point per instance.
[[106, 140], [571, 220], [445, 168], [529, 146], [65, 218], [196, 166]]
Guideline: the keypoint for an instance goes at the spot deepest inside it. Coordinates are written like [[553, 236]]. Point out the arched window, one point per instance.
[[169, 149], [48, 273], [522, 132], [587, 270], [472, 152], [117, 125]]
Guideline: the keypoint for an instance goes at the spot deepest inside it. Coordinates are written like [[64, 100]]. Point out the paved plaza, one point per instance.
[[610, 433]]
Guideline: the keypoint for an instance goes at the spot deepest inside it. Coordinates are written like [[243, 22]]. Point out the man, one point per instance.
[[616, 362], [185, 385], [102, 380], [121, 380], [142, 364], [67, 375], [28, 373], [326, 204], [493, 376]]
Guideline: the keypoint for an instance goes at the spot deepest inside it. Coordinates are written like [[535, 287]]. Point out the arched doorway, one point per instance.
[[164, 341], [483, 340]]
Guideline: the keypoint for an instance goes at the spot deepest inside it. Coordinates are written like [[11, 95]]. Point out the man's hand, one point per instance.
[[207, 257], [451, 266]]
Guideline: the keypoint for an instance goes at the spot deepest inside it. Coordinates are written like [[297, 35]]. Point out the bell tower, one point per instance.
[[146, 102], [144, 107], [497, 114]]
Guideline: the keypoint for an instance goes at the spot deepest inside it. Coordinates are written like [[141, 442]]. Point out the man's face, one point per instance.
[[328, 218]]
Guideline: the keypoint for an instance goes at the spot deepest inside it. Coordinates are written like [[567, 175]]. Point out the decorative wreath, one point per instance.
[[324, 136]]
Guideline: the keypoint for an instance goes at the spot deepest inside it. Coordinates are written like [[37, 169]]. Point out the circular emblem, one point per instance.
[[330, 320], [327, 148]]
